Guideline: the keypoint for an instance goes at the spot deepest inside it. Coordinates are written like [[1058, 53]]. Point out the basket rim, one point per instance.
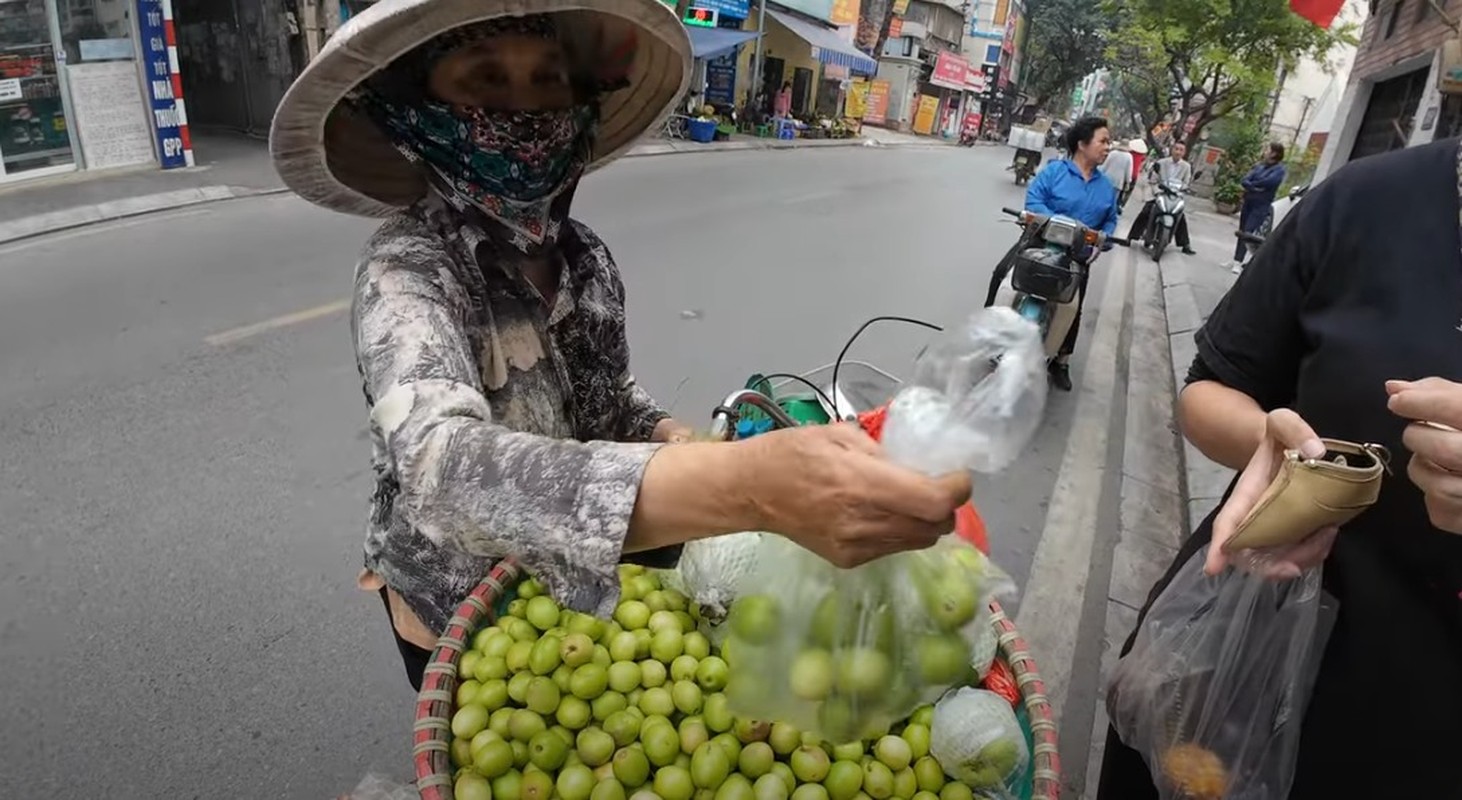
[[431, 740]]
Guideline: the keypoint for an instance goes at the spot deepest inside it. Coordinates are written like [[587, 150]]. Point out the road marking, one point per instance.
[[1055, 593], [58, 237], [239, 334]]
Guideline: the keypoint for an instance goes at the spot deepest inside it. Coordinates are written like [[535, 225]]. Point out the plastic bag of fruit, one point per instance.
[[846, 653], [1214, 690], [978, 740]]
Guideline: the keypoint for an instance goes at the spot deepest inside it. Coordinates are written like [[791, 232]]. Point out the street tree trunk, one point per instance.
[[884, 29]]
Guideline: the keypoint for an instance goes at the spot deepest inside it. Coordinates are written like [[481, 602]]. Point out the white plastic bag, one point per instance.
[[1213, 692], [977, 738], [712, 571], [378, 787]]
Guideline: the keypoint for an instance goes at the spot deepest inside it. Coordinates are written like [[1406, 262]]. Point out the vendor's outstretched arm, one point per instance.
[[566, 510]]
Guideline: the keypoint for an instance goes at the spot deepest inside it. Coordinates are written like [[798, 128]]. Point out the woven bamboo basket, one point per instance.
[[432, 737]]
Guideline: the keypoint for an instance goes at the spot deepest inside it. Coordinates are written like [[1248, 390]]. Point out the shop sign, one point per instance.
[[855, 105], [950, 72], [1449, 75], [162, 89], [927, 114], [972, 123], [900, 7], [701, 17], [10, 90], [845, 12], [896, 28], [721, 81], [738, 9], [1008, 45], [821, 9], [877, 112]]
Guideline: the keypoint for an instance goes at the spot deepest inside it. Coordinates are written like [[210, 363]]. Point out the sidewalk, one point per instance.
[[233, 165], [1192, 288]]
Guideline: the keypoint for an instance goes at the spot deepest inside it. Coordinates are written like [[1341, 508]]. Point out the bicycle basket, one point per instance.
[[1043, 274]]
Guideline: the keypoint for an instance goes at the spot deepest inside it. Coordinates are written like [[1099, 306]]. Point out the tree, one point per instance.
[[1209, 59], [1067, 41]]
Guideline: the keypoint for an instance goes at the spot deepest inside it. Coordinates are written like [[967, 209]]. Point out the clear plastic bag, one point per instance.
[[978, 740], [846, 653], [1214, 690]]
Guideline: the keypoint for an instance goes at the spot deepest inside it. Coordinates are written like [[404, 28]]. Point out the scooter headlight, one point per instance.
[[1061, 231]]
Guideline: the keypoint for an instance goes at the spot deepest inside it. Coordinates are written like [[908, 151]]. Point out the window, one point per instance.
[[992, 54], [1388, 23], [95, 30]]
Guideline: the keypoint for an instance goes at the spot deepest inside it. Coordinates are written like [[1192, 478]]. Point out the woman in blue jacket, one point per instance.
[[1072, 187], [1259, 187]]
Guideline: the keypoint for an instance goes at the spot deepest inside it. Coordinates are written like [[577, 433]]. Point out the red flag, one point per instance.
[[1320, 12]]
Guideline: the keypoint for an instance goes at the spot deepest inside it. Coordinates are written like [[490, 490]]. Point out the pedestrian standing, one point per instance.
[[784, 101], [1260, 185], [1118, 169]]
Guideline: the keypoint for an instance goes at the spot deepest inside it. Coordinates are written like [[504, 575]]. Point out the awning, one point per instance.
[[713, 42], [826, 46]]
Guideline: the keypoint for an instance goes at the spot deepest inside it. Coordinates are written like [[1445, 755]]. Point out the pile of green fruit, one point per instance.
[[847, 653], [555, 703]]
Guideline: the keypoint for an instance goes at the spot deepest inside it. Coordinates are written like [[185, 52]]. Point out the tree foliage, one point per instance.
[[1067, 40], [1207, 59]]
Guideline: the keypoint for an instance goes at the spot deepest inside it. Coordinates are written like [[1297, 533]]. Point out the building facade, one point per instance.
[[1391, 100], [1307, 101], [88, 84], [931, 83]]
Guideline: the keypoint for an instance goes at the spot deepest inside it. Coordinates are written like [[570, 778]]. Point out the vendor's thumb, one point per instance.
[[956, 486]]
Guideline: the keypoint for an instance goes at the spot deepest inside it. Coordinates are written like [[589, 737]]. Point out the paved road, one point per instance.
[[182, 518]]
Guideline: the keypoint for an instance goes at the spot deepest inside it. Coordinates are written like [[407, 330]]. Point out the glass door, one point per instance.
[[34, 134]]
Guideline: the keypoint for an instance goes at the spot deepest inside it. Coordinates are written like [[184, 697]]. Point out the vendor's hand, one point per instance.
[[1283, 430], [1435, 406], [830, 489], [672, 431]]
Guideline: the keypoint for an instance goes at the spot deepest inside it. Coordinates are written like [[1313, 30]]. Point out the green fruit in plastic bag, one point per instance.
[[811, 675], [863, 671], [942, 660], [1002, 755], [755, 619]]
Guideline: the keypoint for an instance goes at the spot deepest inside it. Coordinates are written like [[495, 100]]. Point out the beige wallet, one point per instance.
[[1313, 493]]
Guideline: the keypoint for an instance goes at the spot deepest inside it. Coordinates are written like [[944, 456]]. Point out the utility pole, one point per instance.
[[754, 99]]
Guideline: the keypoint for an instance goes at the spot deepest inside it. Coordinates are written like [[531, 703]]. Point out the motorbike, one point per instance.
[[1167, 212], [1025, 165], [968, 137], [1282, 207], [1048, 265]]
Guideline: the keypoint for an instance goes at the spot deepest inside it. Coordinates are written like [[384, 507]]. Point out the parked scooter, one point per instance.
[[1167, 212], [1053, 253]]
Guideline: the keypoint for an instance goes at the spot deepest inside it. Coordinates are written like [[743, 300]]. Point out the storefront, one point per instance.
[[72, 91], [814, 58], [948, 81], [717, 41]]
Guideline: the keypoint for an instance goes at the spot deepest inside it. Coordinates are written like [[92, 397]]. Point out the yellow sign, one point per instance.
[[901, 7], [845, 12], [924, 117], [856, 103], [1002, 8]]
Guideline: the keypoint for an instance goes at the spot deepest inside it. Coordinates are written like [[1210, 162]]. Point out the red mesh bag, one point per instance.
[[1001, 681]]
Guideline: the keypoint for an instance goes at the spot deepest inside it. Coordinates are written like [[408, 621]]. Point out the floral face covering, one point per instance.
[[518, 168]]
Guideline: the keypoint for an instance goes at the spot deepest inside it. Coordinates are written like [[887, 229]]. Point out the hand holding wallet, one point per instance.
[[1309, 494]]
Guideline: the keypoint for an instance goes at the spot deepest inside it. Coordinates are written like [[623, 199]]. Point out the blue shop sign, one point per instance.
[[171, 150]]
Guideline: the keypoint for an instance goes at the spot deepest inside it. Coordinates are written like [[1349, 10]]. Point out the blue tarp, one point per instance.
[[712, 42], [827, 47]]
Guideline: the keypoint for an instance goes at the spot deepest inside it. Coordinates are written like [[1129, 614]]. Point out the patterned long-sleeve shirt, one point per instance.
[[491, 414]]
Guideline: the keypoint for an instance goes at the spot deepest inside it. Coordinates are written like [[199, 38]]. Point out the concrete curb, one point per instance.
[[81, 216]]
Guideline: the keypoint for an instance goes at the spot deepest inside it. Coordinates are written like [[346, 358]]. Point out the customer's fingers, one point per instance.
[[1431, 399], [1291, 432]]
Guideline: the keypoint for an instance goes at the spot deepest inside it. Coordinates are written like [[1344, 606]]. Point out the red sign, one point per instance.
[[971, 124], [950, 72], [896, 28], [877, 112]]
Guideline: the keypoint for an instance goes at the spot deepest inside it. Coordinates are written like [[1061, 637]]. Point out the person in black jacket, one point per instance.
[[1259, 187]]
